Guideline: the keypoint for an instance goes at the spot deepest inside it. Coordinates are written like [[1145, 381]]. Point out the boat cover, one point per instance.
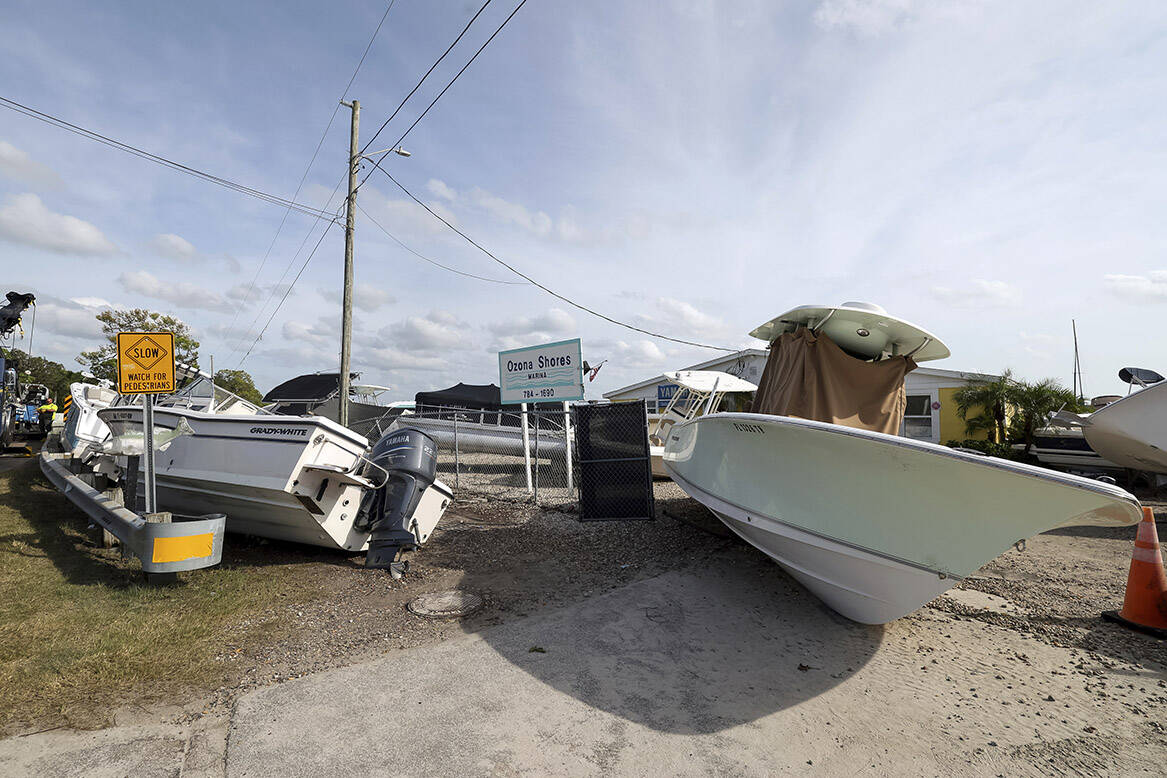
[[485, 397], [10, 313], [808, 376], [314, 387]]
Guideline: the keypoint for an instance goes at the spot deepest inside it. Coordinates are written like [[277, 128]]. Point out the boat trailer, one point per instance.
[[165, 548]]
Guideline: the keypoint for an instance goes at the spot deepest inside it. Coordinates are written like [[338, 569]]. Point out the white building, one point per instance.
[[931, 412]]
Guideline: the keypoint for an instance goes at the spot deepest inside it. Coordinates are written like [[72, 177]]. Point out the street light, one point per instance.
[[398, 151]]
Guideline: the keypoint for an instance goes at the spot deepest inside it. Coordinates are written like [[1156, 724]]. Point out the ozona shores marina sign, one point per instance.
[[544, 373]]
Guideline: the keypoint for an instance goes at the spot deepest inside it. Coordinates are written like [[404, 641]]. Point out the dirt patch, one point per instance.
[[82, 636]]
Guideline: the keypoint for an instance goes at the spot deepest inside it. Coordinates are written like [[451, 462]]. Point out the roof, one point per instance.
[[745, 352], [710, 380]]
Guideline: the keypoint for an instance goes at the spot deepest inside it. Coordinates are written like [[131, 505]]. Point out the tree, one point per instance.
[[52, 374], [1029, 402], [1034, 401], [102, 362], [990, 399], [239, 382]]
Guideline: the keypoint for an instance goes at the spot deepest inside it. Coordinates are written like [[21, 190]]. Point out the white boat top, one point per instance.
[[859, 328], [705, 381]]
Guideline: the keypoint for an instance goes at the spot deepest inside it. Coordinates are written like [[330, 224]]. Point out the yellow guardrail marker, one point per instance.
[[183, 547]]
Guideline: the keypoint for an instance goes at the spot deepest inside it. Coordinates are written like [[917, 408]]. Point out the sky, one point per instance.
[[987, 170]]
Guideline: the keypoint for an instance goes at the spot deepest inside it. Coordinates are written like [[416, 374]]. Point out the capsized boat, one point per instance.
[[1132, 431], [698, 392], [305, 479], [874, 524]]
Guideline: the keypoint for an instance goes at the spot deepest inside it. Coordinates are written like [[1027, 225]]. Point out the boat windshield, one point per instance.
[[196, 395]]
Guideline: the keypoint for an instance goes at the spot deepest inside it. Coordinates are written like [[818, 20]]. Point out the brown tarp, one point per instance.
[[809, 376]]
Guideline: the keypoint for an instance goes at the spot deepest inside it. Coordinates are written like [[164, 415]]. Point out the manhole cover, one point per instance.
[[444, 605]]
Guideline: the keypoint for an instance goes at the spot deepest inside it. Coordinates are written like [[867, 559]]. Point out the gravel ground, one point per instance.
[[522, 560]]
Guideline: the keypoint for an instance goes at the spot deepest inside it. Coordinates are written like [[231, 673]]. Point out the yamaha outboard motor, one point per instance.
[[410, 457]]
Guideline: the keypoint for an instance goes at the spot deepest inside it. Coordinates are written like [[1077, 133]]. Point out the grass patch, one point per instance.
[[81, 632]]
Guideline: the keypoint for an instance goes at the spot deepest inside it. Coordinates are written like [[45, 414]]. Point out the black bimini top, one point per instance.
[[314, 387], [477, 396]]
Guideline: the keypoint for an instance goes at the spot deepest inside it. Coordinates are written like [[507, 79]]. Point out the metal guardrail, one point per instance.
[[162, 547]]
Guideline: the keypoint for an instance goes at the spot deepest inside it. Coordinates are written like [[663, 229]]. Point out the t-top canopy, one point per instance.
[[314, 387], [705, 381], [1139, 376], [862, 329]]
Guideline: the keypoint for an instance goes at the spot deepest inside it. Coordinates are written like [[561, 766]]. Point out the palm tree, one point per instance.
[[1033, 402], [991, 398]]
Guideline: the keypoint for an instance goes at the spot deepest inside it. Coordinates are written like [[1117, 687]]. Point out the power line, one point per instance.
[[433, 261], [377, 162], [423, 78], [276, 285], [287, 292], [549, 291], [303, 178], [169, 163]]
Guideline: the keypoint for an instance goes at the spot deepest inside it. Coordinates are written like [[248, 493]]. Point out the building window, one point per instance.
[[918, 417]]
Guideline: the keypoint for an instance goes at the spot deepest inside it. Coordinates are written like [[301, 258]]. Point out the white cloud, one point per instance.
[[979, 293], [389, 358], [325, 331], [366, 297], [70, 318], [873, 17], [1038, 344], [174, 247], [25, 219], [536, 222], [687, 315], [1149, 288], [436, 331], [554, 321], [440, 189], [248, 293], [642, 352], [178, 293], [18, 166]]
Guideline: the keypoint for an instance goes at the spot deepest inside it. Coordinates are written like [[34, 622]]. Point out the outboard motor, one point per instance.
[[410, 457]]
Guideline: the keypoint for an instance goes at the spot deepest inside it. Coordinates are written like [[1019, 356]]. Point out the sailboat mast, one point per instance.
[[1079, 390]]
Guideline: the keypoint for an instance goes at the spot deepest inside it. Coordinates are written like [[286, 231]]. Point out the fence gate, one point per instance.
[[615, 471]]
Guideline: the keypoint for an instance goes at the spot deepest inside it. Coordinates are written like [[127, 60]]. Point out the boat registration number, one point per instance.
[[756, 429]]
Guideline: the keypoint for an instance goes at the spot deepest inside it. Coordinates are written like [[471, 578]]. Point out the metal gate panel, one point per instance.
[[615, 470]]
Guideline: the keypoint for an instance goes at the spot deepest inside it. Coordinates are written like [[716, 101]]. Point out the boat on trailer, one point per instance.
[[874, 524], [698, 392], [304, 479]]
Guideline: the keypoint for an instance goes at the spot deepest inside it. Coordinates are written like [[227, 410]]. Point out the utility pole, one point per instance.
[[346, 318]]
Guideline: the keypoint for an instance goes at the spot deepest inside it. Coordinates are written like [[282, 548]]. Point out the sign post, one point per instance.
[[146, 366], [549, 372]]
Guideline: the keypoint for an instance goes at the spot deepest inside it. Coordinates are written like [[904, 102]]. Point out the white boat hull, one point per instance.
[[1132, 432], [875, 525], [280, 477], [84, 431]]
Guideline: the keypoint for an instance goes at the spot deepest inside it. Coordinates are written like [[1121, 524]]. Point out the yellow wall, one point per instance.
[[951, 425]]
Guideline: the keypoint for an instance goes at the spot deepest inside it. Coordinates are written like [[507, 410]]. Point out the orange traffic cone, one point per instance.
[[1145, 605]]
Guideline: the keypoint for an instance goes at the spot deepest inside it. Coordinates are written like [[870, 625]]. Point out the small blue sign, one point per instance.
[[665, 392]]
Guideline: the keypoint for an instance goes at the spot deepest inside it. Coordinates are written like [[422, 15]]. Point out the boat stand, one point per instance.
[[164, 547]]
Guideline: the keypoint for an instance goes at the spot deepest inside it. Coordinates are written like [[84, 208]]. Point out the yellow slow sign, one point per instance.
[[145, 362]]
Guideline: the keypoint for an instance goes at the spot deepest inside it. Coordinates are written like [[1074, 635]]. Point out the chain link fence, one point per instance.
[[507, 455], [533, 456]]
